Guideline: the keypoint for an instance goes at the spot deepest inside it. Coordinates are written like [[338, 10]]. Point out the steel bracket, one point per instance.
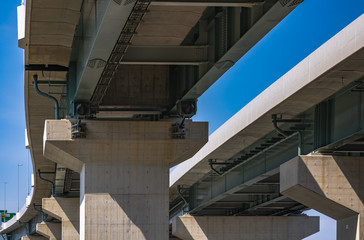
[[78, 129]]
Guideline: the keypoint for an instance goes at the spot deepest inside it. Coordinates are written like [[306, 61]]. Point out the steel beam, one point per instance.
[[208, 3], [99, 26], [43, 67], [265, 24], [266, 203], [166, 55], [241, 178]]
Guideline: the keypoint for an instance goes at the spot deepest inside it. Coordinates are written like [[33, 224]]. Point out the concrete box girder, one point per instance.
[[60, 4], [46, 54], [210, 3], [166, 55], [55, 15], [167, 25], [53, 28], [50, 30]]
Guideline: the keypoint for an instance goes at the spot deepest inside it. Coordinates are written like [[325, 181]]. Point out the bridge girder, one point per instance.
[[208, 3]]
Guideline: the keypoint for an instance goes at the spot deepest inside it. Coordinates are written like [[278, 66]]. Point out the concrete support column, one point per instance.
[[49, 230], [332, 185], [68, 212], [244, 228], [124, 170]]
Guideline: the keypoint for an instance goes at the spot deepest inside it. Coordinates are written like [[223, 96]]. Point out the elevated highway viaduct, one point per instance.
[[298, 145], [109, 89]]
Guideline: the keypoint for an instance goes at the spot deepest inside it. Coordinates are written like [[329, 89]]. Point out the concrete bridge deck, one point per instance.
[[237, 172], [72, 45]]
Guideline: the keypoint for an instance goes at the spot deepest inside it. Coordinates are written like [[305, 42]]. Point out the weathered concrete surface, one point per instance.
[[51, 231], [332, 185], [147, 141], [66, 210], [167, 25], [30, 237], [124, 173], [239, 228], [124, 201], [49, 35]]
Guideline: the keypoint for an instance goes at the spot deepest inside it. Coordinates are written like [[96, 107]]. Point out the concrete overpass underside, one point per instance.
[[134, 66], [245, 169]]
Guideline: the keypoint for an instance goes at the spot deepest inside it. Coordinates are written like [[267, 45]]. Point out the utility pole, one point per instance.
[[28, 173], [19, 165]]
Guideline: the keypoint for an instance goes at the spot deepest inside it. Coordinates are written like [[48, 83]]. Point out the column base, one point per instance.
[[244, 228], [31, 237]]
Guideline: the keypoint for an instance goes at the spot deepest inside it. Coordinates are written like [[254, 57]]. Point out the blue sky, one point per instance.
[[12, 118], [306, 28]]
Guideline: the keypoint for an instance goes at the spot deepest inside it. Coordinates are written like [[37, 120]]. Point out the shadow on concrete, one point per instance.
[[183, 233], [245, 227], [353, 169], [72, 215], [49, 230], [308, 192]]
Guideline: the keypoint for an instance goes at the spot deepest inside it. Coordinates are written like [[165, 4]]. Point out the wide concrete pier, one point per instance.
[[30, 237], [332, 185], [124, 167], [244, 227]]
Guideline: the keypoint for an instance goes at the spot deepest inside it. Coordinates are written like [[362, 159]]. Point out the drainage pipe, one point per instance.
[[274, 120], [35, 78], [299, 151], [179, 189], [44, 215], [39, 172], [212, 167]]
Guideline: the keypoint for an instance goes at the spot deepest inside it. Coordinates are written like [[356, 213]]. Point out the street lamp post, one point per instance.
[[5, 195], [28, 174], [19, 165]]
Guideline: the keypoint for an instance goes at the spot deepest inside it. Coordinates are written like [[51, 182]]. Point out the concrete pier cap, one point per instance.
[[332, 185], [51, 231], [66, 210], [150, 141]]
